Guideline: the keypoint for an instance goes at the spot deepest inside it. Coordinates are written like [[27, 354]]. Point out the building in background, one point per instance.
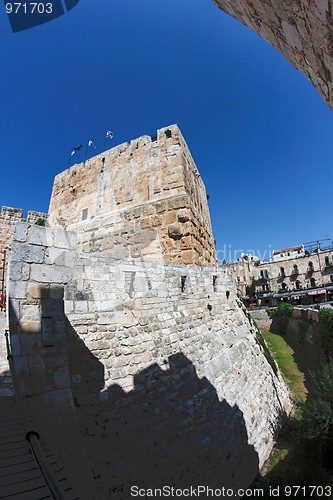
[[301, 274]]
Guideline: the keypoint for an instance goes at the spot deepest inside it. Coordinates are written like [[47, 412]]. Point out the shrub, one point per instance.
[[318, 412], [272, 312], [281, 316], [40, 222], [326, 330]]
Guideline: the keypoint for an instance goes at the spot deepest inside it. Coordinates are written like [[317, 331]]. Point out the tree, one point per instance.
[[326, 329]]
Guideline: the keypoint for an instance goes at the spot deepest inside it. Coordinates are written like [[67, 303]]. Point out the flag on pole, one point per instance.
[[75, 150], [109, 134], [90, 143]]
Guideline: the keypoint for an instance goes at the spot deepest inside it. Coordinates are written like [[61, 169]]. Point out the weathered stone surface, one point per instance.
[[175, 231], [131, 201], [30, 313], [21, 253], [8, 229], [137, 337], [48, 274], [301, 29]]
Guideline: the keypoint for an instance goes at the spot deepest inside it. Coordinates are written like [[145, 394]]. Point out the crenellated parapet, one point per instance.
[[143, 199], [8, 218]]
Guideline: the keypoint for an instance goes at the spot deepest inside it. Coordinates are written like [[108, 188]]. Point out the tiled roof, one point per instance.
[[291, 249]]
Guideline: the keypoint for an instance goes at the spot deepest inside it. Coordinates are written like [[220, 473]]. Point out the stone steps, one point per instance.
[[20, 474]]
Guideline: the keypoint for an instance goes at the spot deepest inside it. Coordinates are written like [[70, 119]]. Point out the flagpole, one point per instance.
[[85, 156], [69, 159], [105, 137]]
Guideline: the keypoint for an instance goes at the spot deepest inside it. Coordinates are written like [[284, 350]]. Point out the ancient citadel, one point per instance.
[[130, 349], [130, 352], [155, 208]]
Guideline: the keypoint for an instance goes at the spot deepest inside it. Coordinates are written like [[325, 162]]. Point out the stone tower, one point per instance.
[[143, 199]]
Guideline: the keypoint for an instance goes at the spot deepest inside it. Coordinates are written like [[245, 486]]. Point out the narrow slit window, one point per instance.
[[84, 214], [183, 283]]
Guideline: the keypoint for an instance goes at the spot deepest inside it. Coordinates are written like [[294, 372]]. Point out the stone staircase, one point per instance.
[[20, 475], [27, 472]]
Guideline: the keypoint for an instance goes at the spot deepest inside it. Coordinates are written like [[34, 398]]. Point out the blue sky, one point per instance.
[[260, 134]]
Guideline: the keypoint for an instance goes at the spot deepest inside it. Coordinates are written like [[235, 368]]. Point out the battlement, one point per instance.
[[141, 199], [12, 215], [8, 217]]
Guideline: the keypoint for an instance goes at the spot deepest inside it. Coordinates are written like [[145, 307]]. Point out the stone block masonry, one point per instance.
[[168, 381], [301, 29], [8, 217], [36, 276], [6, 386], [142, 200]]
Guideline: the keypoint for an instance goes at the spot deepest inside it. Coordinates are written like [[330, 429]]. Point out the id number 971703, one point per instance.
[[29, 8], [308, 491]]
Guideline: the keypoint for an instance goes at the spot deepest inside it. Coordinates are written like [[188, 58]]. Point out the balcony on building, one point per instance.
[[295, 271], [310, 268], [264, 275], [328, 263]]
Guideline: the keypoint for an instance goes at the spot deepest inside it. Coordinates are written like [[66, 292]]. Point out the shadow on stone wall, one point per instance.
[[5, 384], [171, 429], [5, 377], [37, 328]]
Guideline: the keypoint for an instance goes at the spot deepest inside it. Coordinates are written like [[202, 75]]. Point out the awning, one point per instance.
[[300, 293], [317, 292]]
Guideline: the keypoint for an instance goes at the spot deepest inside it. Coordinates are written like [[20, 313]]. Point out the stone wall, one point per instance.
[[160, 361], [145, 199], [302, 333], [6, 386], [41, 261], [261, 319], [302, 30], [8, 217]]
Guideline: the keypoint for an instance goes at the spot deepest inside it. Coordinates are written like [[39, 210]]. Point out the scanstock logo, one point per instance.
[[26, 15]]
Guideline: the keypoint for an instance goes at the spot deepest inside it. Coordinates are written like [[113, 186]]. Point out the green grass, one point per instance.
[[284, 357], [294, 460]]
